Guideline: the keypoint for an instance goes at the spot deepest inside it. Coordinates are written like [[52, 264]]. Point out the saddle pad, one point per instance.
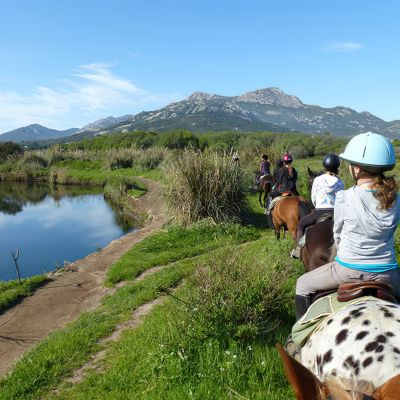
[[317, 312], [274, 201]]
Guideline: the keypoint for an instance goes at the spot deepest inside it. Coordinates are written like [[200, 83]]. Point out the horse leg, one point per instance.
[[259, 197], [277, 231], [265, 198], [292, 228]]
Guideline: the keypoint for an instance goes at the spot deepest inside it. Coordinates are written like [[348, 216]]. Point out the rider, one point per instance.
[[323, 194], [265, 166], [278, 166], [286, 178], [366, 218], [265, 169]]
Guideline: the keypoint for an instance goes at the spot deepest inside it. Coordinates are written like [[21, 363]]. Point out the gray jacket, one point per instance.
[[363, 233]]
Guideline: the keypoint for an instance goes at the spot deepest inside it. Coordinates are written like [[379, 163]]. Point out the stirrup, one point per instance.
[[295, 253]]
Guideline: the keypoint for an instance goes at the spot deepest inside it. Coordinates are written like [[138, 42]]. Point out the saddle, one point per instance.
[[350, 291], [381, 290], [324, 217]]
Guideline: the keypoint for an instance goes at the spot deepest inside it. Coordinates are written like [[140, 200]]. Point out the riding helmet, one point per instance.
[[331, 163], [371, 151], [287, 158]]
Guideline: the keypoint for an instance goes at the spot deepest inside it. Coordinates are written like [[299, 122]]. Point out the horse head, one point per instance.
[[353, 354]]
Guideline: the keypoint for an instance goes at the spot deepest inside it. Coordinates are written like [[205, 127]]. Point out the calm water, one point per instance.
[[50, 226]]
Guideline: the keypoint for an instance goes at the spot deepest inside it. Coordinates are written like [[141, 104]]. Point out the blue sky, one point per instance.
[[68, 63]]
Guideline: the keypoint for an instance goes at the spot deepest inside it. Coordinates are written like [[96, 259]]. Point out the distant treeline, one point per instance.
[[300, 145]]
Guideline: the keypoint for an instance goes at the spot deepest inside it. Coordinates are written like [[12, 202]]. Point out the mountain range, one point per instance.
[[35, 132], [267, 109]]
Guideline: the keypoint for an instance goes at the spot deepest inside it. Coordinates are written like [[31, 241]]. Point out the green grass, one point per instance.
[[63, 351], [159, 361], [138, 190], [138, 367], [12, 291], [175, 244]]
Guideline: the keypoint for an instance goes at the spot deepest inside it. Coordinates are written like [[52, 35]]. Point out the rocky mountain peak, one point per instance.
[[273, 96], [200, 96]]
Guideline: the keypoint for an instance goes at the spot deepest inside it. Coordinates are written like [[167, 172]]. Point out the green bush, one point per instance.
[[229, 298], [33, 158], [9, 149], [179, 140], [117, 188], [205, 185], [118, 158]]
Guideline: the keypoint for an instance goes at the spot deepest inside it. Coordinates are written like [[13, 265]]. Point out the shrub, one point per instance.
[[32, 158], [179, 140], [150, 158], [232, 298], [203, 185], [9, 149], [118, 158], [116, 188]]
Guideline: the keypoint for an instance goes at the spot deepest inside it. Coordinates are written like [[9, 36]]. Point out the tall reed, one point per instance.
[[205, 185]]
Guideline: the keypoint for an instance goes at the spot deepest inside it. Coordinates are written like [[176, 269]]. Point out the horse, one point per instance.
[[264, 187], [353, 354], [319, 248], [287, 213]]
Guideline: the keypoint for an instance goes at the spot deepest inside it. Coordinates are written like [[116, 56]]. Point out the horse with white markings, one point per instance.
[[353, 354]]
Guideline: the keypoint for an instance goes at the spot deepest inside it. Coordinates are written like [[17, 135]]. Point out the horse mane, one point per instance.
[[304, 207]]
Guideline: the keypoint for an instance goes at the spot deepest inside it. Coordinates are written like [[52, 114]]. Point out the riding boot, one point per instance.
[[302, 304]]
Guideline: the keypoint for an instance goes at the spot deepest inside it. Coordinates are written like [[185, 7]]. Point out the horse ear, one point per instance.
[[305, 385], [310, 173], [389, 390]]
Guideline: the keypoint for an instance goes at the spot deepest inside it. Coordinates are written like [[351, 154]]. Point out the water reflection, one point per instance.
[[53, 225]]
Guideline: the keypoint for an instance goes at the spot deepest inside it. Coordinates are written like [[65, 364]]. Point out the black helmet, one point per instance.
[[331, 162]]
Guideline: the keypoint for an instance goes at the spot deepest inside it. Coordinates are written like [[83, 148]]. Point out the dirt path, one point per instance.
[[73, 292]]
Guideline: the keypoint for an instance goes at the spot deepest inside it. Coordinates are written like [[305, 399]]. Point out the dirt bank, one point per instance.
[[71, 293]]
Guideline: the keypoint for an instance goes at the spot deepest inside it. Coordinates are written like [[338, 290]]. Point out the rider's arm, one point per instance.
[[338, 217]]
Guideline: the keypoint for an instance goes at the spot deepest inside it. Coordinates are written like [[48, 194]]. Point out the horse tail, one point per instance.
[[303, 209]]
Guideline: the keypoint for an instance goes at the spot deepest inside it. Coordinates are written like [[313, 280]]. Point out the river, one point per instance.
[[51, 226]]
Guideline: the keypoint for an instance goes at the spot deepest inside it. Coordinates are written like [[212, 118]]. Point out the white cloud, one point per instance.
[[92, 92], [133, 54], [344, 47]]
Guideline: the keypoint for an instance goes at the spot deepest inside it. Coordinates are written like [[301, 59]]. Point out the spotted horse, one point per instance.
[[353, 354]]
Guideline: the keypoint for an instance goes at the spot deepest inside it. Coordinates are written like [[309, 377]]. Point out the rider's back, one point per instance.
[[324, 190], [364, 233]]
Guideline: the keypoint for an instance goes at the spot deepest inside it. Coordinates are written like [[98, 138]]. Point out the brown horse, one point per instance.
[[287, 213], [264, 187], [320, 246]]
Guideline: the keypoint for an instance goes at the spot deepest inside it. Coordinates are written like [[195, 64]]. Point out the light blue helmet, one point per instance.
[[371, 151]]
